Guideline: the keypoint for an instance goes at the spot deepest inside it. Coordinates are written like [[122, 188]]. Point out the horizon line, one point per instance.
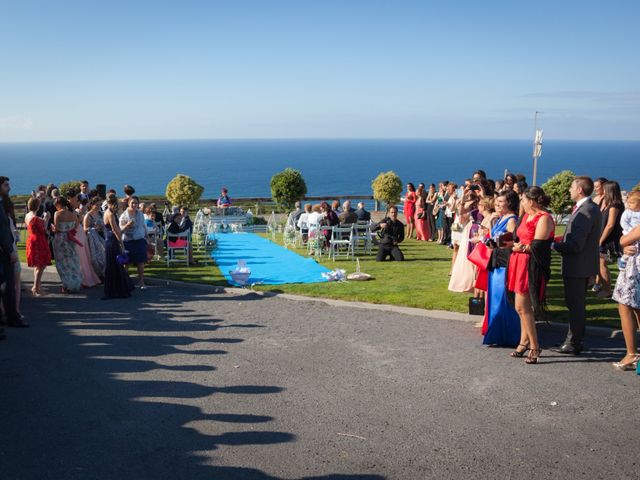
[[203, 139]]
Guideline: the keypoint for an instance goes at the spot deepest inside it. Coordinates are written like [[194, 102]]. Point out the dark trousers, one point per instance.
[[392, 251], [575, 293], [8, 291], [446, 229]]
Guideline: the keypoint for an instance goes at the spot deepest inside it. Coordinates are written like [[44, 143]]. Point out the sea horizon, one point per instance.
[[337, 166]]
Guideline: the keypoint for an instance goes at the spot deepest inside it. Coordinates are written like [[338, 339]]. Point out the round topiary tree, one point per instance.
[[287, 187], [637, 187], [184, 190], [557, 187], [64, 187], [387, 188]]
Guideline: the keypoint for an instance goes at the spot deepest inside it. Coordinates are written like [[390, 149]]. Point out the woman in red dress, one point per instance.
[[410, 209], [38, 252], [530, 268]]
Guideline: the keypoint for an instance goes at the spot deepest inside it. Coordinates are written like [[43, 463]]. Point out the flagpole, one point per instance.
[[535, 157]]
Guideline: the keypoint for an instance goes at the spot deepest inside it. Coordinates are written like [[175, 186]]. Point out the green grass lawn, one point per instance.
[[421, 281]]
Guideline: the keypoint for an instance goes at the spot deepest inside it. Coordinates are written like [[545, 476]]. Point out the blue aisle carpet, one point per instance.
[[269, 262]]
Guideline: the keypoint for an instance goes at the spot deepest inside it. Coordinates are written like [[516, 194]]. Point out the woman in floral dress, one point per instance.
[[65, 224]]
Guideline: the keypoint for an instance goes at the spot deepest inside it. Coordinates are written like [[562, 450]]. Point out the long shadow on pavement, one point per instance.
[[82, 398]]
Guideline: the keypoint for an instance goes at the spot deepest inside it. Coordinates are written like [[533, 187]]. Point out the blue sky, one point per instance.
[[312, 69]]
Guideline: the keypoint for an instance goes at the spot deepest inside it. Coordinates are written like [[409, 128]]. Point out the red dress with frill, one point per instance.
[[518, 271], [410, 206], [38, 252]]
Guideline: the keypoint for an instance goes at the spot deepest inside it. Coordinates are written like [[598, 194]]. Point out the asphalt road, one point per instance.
[[176, 383]]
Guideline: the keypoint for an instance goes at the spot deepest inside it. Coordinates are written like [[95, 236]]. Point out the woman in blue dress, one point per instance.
[[503, 322]]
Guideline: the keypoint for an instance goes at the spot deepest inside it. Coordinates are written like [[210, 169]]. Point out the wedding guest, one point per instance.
[[348, 214], [294, 216], [479, 175], [117, 283], [224, 201], [93, 225], [510, 181], [420, 220], [438, 211], [303, 222], [502, 326], [598, 190], [499, 186], [105, 203], [361, 213], [65, 223], [580, 259], [134, 235], [410, 209], [391, 235], [627, 294], [431, 201], [15, 235], [187, 224], [449, 213], [84, 190], [129, 192], [611, 208], [530, 268], [463, 272], [37, 246], [89, 276], [335, 206], [330, 218], [8, 257]]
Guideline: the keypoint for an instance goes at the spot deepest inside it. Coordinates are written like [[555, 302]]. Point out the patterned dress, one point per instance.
[[67, 260], [95, 243], [627, 290]]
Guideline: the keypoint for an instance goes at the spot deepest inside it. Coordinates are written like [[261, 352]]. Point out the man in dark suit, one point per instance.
[[8, 257], [362, 214], [580, 259]]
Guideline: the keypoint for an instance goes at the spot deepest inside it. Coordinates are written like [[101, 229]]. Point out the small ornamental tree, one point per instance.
[[287, 187], [65, 187], [557, 188], [387, 188], [184, 190], [636, 188]]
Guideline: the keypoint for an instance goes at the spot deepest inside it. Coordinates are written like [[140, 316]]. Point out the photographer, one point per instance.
[[391, 234]]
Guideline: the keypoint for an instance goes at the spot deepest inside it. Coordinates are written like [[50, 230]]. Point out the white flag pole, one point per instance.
[[537, 147]]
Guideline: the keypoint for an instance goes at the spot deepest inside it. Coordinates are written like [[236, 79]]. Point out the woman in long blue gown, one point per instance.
[[503, 325], [117, 283]]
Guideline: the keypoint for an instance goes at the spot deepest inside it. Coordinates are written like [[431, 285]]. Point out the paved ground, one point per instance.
[[176, 383]]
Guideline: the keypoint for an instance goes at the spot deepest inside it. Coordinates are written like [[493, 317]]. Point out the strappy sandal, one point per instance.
[[520, 353], [533, 356]]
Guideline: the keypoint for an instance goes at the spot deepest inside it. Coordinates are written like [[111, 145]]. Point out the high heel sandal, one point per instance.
[[520, 353], [533, 356], [623, 366], [35, 292]]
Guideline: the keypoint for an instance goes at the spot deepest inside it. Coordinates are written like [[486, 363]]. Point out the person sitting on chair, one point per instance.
[[348, 214], [224, 200], [391, 234], [362, 214]]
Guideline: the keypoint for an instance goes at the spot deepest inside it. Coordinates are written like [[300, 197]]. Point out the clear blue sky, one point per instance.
[[78, 70]]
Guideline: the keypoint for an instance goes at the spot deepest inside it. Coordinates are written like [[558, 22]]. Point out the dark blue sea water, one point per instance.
[[330, 167]]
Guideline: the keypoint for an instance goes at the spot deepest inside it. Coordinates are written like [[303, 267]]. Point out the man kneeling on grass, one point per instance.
[[391, 234]]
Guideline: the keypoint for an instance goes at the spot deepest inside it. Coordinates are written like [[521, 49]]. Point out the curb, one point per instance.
[[593, 331]]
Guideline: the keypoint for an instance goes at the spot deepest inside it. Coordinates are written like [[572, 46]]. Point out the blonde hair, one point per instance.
[[487, 203]]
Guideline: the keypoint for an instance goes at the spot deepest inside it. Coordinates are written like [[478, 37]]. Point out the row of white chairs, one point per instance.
[[346, 240]]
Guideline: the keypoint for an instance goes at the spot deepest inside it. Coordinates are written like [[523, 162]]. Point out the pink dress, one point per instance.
[[422, 224], [89, 277]]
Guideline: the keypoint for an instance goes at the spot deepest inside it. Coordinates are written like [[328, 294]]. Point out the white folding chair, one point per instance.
[[178, 245], [341, 243], [362, 238]]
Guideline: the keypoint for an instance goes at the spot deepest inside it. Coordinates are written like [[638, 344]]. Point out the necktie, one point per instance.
[[575, 207]]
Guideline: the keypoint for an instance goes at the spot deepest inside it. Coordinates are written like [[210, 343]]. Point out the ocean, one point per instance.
[[330, 167]]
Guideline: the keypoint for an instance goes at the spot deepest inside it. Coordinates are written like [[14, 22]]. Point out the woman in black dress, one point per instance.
[[117, 283], [612, 208]]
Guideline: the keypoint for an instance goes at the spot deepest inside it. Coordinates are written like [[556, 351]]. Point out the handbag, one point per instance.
[[476, 306], [480, 256]]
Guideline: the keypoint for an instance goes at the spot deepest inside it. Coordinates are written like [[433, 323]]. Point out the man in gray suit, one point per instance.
[[580, 259]]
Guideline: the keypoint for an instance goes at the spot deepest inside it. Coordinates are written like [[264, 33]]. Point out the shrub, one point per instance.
[[637, 187], [557, 187], [387, 188], [183, 190], [287, 187], [66, 186]]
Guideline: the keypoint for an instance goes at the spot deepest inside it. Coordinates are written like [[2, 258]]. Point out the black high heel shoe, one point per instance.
[[533, 356], [520, 353]]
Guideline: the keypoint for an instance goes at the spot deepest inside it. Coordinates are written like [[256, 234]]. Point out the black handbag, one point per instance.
[[476, 306]]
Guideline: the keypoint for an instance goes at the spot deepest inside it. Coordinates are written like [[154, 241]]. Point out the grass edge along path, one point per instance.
[[420, 282]]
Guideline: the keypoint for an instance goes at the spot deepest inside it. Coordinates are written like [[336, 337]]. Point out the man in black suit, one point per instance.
[[580, 259], [8, 257], [392, 234], [362, 214]]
